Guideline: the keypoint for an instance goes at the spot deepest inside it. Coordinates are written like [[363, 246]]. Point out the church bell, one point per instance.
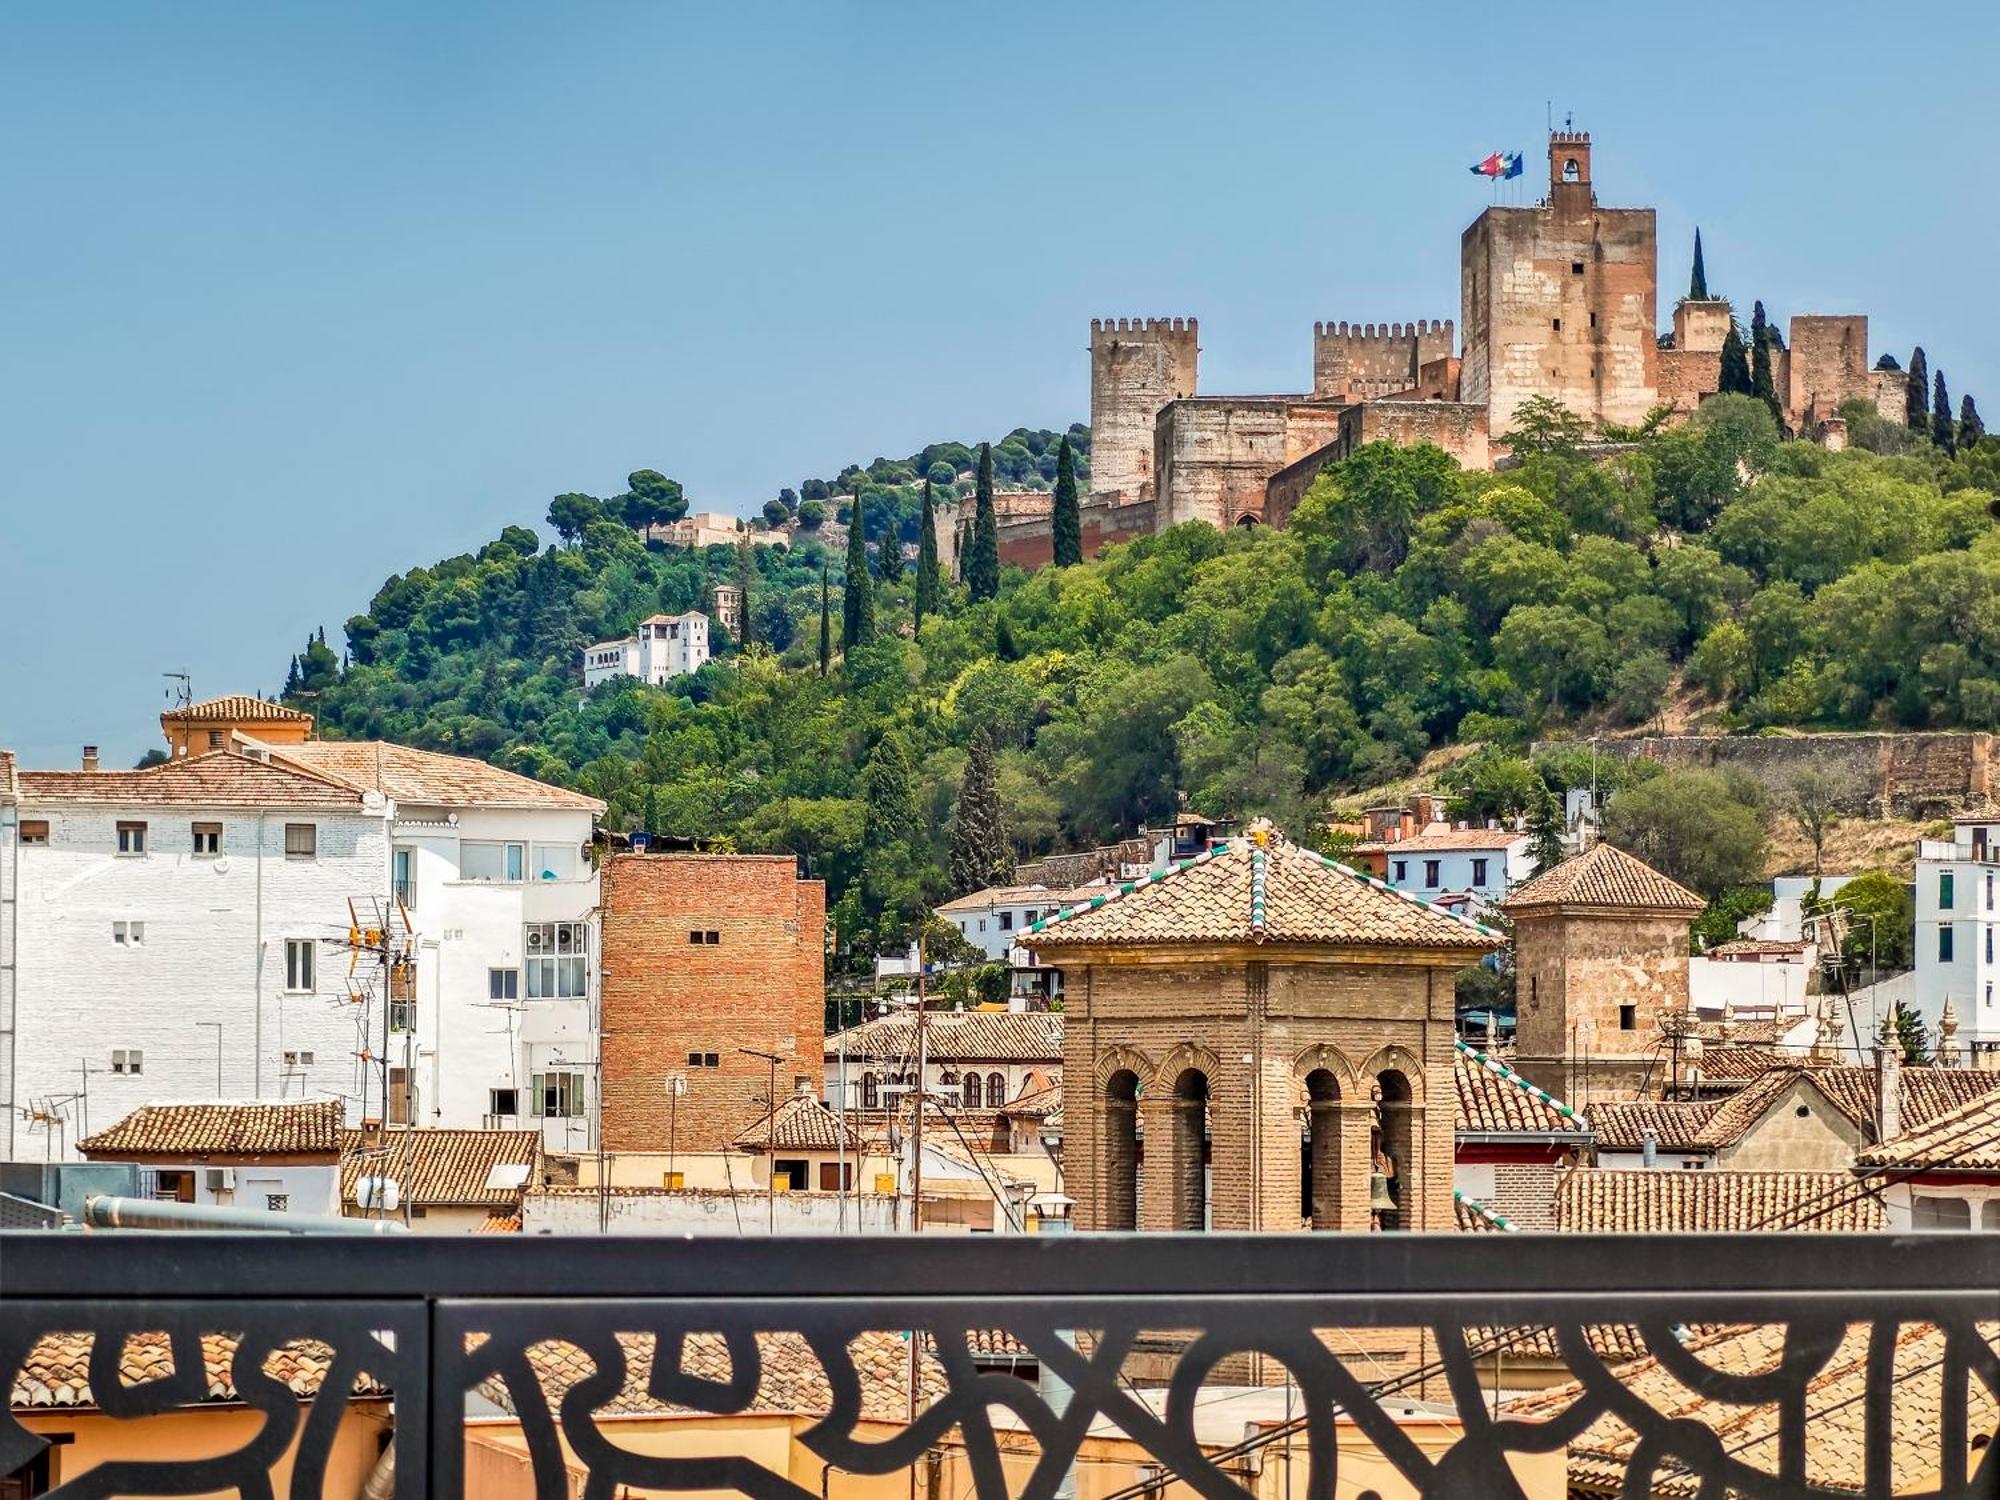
[[1379, 1200]]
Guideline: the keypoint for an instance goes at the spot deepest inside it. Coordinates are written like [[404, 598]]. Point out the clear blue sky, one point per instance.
[[302, 295]]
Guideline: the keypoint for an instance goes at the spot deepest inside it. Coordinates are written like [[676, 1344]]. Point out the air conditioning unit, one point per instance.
[[537, 943], [221, 1179]]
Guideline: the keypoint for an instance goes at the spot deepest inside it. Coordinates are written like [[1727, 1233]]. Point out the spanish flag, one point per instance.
[[1500, 166]]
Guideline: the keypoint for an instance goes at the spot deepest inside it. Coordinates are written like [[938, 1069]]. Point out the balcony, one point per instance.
[[1224, 1367]]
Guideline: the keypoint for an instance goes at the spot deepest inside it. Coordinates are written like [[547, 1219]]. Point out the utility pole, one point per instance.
[[917, 1176], [770, 1139]]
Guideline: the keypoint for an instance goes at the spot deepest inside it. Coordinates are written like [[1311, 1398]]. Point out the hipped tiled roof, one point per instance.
[[56, 1372], [444, 1168], [801, 1123], [1675, 1125], [1604, 876], [1966, 1139], [218, 780], [235, 708], [425, 777], [1666, 1200], [956, 1036], [242, 1128], [1444, 839], [1492, 1097], [1248, 891]]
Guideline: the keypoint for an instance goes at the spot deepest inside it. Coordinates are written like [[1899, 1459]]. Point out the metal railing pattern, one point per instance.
[[435, 1319]]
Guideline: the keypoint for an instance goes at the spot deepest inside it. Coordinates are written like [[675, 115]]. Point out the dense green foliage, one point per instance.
[[1408, 604]]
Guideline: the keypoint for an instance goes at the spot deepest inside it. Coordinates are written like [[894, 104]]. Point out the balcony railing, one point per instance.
[[438, 1320]]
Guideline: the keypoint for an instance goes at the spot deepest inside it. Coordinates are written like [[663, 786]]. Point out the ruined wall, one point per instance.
[[1560, 301], [1137, 365], [1354, 361], [1828, 364], [1890, 391], [1687, 376], [1028, 540], [1459, 429], [1213, 454], [1896, 775], [1701, 327]]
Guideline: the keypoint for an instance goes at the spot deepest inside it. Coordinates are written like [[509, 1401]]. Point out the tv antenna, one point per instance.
[[181, 694]]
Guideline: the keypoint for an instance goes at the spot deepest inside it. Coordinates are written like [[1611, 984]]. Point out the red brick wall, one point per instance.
[[761, 985]]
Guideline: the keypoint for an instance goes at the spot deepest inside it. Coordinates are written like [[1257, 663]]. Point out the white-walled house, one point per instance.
[[1483, 863], [494, 872], [171, 935], [271, 1156], [664, 647], [1957, 910]]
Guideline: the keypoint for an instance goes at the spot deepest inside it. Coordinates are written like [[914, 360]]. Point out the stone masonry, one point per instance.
[[1137, 365], [706, 955]]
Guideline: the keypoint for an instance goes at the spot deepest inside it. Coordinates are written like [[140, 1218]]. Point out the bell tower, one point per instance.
[[1569, 172]]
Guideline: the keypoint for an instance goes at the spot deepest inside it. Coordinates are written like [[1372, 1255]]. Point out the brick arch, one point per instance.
[[1323, 1055], [1404, 1061], [1122, 1056], [1187, 1055]]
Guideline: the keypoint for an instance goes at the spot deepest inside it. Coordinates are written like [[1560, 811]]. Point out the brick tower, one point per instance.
[[1245, 1032], [1137, 365]]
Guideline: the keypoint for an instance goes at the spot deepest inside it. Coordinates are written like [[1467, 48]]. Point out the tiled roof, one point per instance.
[[56, 1372], [1020, 895], [442, 1167], [1443, 839], [425, 777], [1669, 1200], [1493, 1097], [219, 779], [1675, 1125], [245, 1128], [1738, 1062], [1836, 1414], [1765, 1032], [1475, 1217], [1247, 892], [1758, 948], [956, 1036], [235, 708], [1923, 1094], [1966, 1139], [1035, 1103], [498, 1223], [1604, 876], [792, 1380], [801, 1123]]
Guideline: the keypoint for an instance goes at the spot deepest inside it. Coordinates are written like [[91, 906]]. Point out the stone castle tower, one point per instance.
[[1247, 1035], [1137, 365], [1559, 300]]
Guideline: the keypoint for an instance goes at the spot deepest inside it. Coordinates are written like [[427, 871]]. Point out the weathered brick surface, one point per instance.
[[760, 986], [1358, 361], [1213, 454], [1576, 972], [1826, 365]]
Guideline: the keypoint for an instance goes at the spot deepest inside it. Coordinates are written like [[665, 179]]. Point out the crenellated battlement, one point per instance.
[[1142, 325], [1569, 137], [1421, 328]]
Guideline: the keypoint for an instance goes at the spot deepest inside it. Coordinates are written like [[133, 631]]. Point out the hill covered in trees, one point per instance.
[[1408, 605]]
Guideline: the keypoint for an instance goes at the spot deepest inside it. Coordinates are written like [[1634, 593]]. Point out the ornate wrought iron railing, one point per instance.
[[1779, 1365]]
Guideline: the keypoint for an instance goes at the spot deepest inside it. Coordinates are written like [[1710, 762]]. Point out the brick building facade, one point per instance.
[[707, 958]]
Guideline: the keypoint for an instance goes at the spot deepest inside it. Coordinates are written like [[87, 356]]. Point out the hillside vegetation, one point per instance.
[[1408, 605]]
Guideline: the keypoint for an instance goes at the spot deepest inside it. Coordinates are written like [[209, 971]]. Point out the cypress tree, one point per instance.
[[1762, 385], [1735, 364], [746, 629], [980, 853], [889, 555], [1917, 402], [1698, 282], [928, 581], [857, 604], [982, 565], [1066, 525], [1970, 428], [825, 624], [1942, 432]]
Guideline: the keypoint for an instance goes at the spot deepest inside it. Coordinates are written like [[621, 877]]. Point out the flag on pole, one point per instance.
[[1499, 166]]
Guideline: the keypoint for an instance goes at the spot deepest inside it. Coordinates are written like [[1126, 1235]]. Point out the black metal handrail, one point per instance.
[[436, 1318]]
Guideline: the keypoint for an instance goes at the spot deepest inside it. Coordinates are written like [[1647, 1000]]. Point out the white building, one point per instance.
[[270, 1156], [1483, 864], [1958, 908], [666, 646]]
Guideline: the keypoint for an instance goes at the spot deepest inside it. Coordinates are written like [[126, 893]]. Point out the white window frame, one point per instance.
[[555, 961], [503, 984], [128, 934], [567, 1086], [513, 861], [295, 949], [128, 1062]]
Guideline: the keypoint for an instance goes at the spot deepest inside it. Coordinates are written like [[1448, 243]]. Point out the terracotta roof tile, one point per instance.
[[1244, 892], [1021, 895], [958, 1036], [1738, 1062], [220, 779], [1665, 1200], [1836, 1413], [1492, 1097], [425, 777], [500, 1224], [56, 1372], [1446, 838], [801, 1123], [244, 1128], [1966, 1139], [443, 1167], [1675, 1125], [235, 708], [1604, 876], [1474, 1217], [1923, 1095]]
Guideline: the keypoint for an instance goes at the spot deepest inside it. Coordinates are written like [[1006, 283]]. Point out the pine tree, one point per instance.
[[746, 629], [1917, 402], [857, 605], [929, 584], [1970, 428], [1698, 282], [1942, 431], [1762, 385], [889, 556], [1735, 364], [825, 624], [1067, 524], [980, 853], [889, 796], [982, 565]]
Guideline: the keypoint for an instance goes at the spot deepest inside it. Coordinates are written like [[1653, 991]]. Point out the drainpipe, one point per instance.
[[257, 1056]]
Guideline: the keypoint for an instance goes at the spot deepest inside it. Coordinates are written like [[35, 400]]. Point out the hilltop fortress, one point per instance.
[[1560, 299]]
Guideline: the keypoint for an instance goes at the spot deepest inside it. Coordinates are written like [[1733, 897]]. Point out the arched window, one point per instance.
[[1393, 1150], [1121, 1150], [1320, 1168], [871, 1091], [1571, 171], [971, 1091], [996, 1090], [1190, 1150]]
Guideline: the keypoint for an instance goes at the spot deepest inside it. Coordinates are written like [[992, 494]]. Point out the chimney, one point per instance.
[[90, 757], [1888, 1081]]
